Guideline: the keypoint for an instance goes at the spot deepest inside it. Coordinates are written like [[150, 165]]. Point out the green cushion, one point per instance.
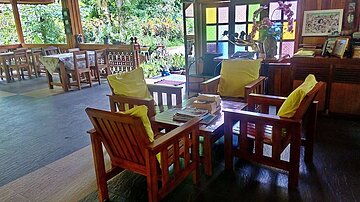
[[292, 102], [130, 83], [235, 74]]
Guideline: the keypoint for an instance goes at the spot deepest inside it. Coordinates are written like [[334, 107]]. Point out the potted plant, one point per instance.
[[177, 62]]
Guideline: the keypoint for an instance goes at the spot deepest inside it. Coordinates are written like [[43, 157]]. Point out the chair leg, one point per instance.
[[310, 133], [88, 77], [294, 158], [78, 80], [103, 193]]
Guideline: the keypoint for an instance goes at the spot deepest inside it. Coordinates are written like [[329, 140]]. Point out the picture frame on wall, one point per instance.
[[322, 22], [340, 47]]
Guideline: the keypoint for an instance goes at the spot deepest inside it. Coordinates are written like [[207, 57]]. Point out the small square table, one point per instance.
[[211, 132]]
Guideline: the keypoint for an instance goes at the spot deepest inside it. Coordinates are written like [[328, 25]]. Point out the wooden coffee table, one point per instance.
[[211, 132]]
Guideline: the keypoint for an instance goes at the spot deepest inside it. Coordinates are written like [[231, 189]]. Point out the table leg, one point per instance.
[[64, 77], [207, 155], [50, 79], [7, 74]]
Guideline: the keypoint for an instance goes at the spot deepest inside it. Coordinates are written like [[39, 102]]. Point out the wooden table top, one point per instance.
[[166, 117]]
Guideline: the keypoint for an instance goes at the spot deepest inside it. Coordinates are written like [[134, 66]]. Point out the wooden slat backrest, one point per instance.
[[123, 60], [157, 91], [101, 59], [21, 57], [124, 138], [80, 57], [51, 50]]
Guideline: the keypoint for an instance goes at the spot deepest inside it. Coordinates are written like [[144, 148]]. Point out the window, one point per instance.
[[217, 20], [42, 24], [8, 33]]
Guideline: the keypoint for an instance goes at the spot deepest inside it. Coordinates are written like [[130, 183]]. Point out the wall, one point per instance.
[[323, 5]]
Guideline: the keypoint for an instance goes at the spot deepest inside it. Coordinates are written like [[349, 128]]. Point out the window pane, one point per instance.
[[221, 30], [211, 47], [240, 28], [240, 13], [223, 48], [190, 26], [189, 12], [210, 15], [274, 14], [287, 48], [288, 35], [252, 9], [42, 24], [211, 33], [223, 15], [249, 31], [8, 33], [293, 8]]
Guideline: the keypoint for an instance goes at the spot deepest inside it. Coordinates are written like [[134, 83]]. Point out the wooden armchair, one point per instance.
[[81, 71], [257, 86], [129, 147], [20, 64], [259, 131], [173, 96]]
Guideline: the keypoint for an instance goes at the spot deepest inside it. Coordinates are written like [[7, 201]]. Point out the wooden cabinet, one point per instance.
[[342, 77]]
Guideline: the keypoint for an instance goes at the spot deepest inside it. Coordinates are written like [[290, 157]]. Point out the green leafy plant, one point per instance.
[[177, 62]]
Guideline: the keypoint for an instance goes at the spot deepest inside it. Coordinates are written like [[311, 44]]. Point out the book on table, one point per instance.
[[185, 114]]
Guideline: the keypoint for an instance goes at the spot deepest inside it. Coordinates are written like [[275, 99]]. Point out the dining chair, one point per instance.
[[19, 64], [165, 160], [81, 73], [101, 65], [71, 50], [37, 66], [51, 50], [258, 135]]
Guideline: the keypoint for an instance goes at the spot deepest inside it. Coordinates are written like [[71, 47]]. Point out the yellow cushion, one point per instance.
[[292, 102], [141, 112], [130, 83], [235, 74]]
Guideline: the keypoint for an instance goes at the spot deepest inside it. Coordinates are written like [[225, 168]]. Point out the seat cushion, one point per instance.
[[235, 74], [130, 83], [292, 102]]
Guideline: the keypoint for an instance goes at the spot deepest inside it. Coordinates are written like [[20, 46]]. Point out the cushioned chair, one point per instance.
[[238, 78], [263, 138], [130, 147], [130, 89]]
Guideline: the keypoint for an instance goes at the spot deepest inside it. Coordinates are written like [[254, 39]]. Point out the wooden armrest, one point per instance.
[[171, 137], [130, 98], [266, 99], [256, 82], [210, 86], [91, 131], [164, 88], [264, 118]]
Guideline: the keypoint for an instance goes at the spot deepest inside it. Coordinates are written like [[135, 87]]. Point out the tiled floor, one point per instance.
[[44, 156]]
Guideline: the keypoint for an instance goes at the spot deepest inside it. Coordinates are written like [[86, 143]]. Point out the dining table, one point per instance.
[[59, 63]]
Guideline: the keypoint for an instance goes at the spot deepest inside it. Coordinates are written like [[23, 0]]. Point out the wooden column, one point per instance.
[[17, 21], [75, 20]]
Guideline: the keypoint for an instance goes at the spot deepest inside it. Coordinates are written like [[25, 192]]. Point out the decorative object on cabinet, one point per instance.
[[341, 45], [322, 22]]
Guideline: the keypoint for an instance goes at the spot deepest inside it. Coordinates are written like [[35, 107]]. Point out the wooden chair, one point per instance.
[[259, 130], [129, 147], [20, 63], [101, 66], [71, 50], [51, 50], [81, 72], [37, 66], [173, 96]]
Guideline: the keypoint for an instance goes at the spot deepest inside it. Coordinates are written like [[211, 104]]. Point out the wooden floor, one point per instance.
[[44, 156]]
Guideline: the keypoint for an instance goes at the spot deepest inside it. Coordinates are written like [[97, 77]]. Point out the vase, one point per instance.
[[270, 47]]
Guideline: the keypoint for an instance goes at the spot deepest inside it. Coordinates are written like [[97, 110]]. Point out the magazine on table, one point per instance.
[[188, 113]]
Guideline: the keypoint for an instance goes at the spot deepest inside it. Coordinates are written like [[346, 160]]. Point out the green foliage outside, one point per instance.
[[7, 26]]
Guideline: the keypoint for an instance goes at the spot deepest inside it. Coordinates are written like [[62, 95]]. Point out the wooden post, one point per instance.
[[75, 21], [17, 21]]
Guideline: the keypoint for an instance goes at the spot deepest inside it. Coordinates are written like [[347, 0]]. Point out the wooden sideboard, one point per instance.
[[341, 94]]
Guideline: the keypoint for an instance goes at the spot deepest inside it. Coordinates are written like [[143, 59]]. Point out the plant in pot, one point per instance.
[[177, 63]]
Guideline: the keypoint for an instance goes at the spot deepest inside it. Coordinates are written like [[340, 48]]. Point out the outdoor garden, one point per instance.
[[154, 22]]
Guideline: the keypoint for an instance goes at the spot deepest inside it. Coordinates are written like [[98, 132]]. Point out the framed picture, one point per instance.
[[322, 22], [341, 45]]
